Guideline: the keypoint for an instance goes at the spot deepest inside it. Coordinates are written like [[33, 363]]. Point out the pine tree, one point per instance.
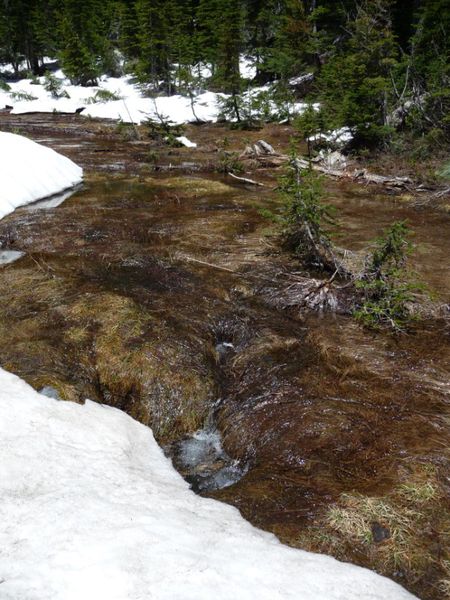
[[230, 31], [158, 26], [430, 54], [128, 34], [18, 41], [262, 18], [288, 56], [207, 17], [83, 40], [356, 84]]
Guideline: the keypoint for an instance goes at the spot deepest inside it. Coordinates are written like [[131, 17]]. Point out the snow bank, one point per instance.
[[29, 171], [91, 509], [127, 103]]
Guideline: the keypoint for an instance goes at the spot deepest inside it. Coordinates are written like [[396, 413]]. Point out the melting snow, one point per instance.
[[91, 509], [127, 103], [339, 137], [30, 172], [10, 256], [89, 506], [186, 142]]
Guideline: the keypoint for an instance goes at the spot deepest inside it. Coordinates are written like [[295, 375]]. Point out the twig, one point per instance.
[[246, 180]]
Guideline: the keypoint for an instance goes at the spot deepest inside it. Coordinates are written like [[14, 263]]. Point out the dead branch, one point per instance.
[[246, 180]]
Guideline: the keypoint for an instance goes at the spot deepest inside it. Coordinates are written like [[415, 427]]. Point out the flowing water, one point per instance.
[[151, 290]]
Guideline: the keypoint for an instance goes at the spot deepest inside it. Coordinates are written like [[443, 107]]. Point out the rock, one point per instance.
[[379, 533], [259, 148], [264, 147]]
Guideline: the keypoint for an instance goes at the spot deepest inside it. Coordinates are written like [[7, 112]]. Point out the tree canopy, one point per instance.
[[379, 65]]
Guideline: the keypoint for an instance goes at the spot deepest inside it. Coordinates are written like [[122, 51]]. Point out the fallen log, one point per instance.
[[358, 175]]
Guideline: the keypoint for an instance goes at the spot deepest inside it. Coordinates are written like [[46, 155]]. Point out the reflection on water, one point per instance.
[[53, 201]]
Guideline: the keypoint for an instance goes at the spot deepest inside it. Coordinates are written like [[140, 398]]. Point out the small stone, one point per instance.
[[379, 533]]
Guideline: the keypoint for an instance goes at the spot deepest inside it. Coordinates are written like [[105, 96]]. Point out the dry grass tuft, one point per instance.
[[196, 186], [142, 367], [415, 521]]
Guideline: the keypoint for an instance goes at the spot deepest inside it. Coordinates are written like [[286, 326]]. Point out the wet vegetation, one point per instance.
[[387, 291], [156, 289]]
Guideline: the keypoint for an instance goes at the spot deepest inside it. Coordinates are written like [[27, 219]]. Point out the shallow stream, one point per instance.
[[148, 290]]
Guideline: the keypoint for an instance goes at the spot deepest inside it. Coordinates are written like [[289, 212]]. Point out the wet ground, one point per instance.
[[150, 289]]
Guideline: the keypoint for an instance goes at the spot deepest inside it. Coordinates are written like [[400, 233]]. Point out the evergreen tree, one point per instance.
[[83, 40], [18, 41], [262, 17], [128, 41], [164, 36], [430, 62], [230, 46], [43, 18], [287, 58], [377, 63], [207, 17], [356, 83]]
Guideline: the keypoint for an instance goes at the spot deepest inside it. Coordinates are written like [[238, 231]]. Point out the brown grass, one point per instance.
[[416, 515]]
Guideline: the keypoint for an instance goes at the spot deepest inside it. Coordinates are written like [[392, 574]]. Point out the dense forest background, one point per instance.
[[380, 67]]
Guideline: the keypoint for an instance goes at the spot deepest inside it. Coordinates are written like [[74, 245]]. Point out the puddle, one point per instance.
[[53, 201]]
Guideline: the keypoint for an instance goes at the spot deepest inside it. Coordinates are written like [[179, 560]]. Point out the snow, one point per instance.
[[177, 109], [9, 256], [247, 67], [30, 171], [91, 509], [186, 142], [301, 79], [338, 137], [89, 505], [130, 107], [27, 96]]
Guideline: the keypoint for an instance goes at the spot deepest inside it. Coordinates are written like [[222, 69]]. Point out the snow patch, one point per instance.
[[30, 96], [186, 142], [301, 79], [30, 172], [90, 508], [337, 137], [9, 256]]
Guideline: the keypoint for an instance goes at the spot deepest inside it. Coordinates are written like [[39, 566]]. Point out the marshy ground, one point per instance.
[[150, 289]]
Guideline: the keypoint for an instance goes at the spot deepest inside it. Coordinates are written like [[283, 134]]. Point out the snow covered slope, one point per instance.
[[90, 509], [29, 172]]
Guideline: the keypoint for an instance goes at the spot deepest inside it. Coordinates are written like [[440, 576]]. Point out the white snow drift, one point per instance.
[[91, 509], [30, 171], [126, 102]]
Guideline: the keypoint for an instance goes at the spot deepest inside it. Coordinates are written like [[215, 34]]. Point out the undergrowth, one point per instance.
[[386, 287]]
